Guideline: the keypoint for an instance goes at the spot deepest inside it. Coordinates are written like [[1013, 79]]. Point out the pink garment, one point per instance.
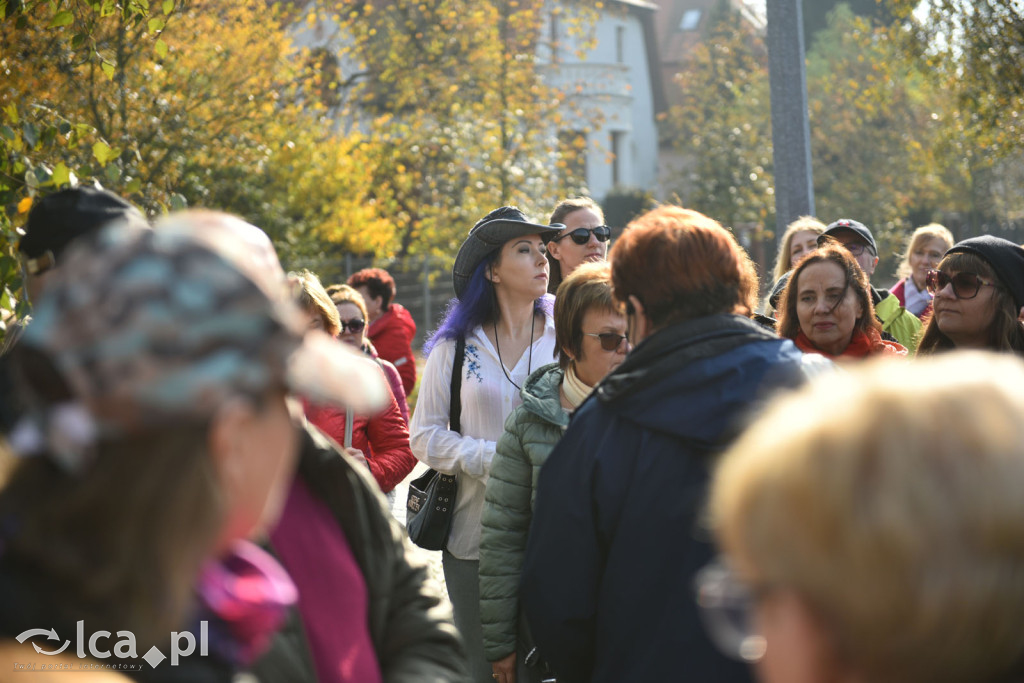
[[392, 334], [249, 593], [394, 380], [333, 600]]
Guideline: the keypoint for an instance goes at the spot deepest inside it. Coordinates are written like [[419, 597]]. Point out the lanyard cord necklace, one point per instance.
[[529, 360]]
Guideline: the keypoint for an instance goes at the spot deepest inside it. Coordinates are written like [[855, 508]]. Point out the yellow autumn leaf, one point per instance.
[[24, 205]]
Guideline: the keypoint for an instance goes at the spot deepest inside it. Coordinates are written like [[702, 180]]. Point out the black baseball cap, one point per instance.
[[853, 226], [58, 219]]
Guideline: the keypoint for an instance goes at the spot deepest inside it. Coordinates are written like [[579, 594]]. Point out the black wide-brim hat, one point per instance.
[[489, 234]]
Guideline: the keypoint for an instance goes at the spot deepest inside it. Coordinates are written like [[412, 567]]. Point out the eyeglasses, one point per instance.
[[609, 340], [355, 325], [965, 285], [582, 235], [855, 248], [727, 608]]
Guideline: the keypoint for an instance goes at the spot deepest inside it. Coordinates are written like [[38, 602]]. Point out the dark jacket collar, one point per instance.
[[676, 346]]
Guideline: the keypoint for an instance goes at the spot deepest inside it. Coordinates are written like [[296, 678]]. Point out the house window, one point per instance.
[[618, 150], [690, 20], [620, 44]]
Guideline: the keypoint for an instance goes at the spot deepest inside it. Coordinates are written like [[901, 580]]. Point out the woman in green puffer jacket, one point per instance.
[[591, 339]]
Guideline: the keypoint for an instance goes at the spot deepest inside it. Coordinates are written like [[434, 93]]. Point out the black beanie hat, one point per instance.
[[57, 219], [1005, 257]]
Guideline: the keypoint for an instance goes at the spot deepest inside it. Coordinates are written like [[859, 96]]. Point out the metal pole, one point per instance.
[[791, 130]]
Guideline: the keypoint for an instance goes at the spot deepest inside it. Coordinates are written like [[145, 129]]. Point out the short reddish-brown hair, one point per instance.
[[378, 282], [682, 265]]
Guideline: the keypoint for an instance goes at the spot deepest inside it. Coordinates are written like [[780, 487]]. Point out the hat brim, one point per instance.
[[488, 237], [325, 370]]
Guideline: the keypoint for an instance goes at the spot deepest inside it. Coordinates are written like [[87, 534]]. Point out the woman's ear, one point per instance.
[[568, 352], [554, 248]]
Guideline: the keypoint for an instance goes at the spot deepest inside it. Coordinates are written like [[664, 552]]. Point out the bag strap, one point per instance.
[[455, 406]]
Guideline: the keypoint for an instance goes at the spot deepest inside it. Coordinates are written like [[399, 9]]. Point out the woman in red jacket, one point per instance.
[[391, 327], [380, 441]]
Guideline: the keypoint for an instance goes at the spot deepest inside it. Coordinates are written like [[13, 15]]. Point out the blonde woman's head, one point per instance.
[[892, 516], [797, 242], [925, 249]]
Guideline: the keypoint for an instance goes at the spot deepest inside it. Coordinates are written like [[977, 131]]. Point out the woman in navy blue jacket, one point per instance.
[[617, 535]]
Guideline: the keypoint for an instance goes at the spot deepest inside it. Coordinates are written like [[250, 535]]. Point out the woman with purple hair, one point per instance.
[[503, 313]]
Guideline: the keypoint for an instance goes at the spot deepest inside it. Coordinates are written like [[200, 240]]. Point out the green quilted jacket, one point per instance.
[[531, 432]]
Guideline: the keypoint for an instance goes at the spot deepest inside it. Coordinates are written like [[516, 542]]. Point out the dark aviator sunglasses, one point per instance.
[[965, 285], [582, 235], [610, 341]]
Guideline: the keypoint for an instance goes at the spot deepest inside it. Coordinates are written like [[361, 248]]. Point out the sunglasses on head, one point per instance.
[[609, 340], [965, 285], [582, 235], [355, 325]]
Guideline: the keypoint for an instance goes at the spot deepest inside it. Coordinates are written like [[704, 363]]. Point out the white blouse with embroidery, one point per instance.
[[487, 399]]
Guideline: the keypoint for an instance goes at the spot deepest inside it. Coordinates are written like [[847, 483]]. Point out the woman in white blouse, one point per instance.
[[504, 314]]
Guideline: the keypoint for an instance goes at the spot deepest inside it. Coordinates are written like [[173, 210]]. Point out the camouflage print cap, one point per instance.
[[159, 326]]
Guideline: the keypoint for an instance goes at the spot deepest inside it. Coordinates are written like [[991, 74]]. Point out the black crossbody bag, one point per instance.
[[431, 501]]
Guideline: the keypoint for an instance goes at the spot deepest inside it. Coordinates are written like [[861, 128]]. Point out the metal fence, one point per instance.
[[423, 284]]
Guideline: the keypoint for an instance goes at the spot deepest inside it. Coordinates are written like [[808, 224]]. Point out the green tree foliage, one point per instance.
[[43, 146], [722, 126], [890, 146], [462, 119], [205, 103], [389, 140], [873, 132], [974, 49], [973, 52], [815, 14]]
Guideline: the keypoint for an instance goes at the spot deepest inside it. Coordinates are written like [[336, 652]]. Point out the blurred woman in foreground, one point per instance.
[[149, 412], [880, 536]]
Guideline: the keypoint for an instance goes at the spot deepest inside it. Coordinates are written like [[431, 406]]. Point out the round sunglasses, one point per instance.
[[582, 235], [965, 285], [609, 340]]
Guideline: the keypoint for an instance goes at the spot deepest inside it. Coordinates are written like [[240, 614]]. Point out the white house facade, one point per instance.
[[614, 86]]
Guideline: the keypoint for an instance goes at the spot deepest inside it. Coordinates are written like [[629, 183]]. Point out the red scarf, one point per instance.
[[862, 345]]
